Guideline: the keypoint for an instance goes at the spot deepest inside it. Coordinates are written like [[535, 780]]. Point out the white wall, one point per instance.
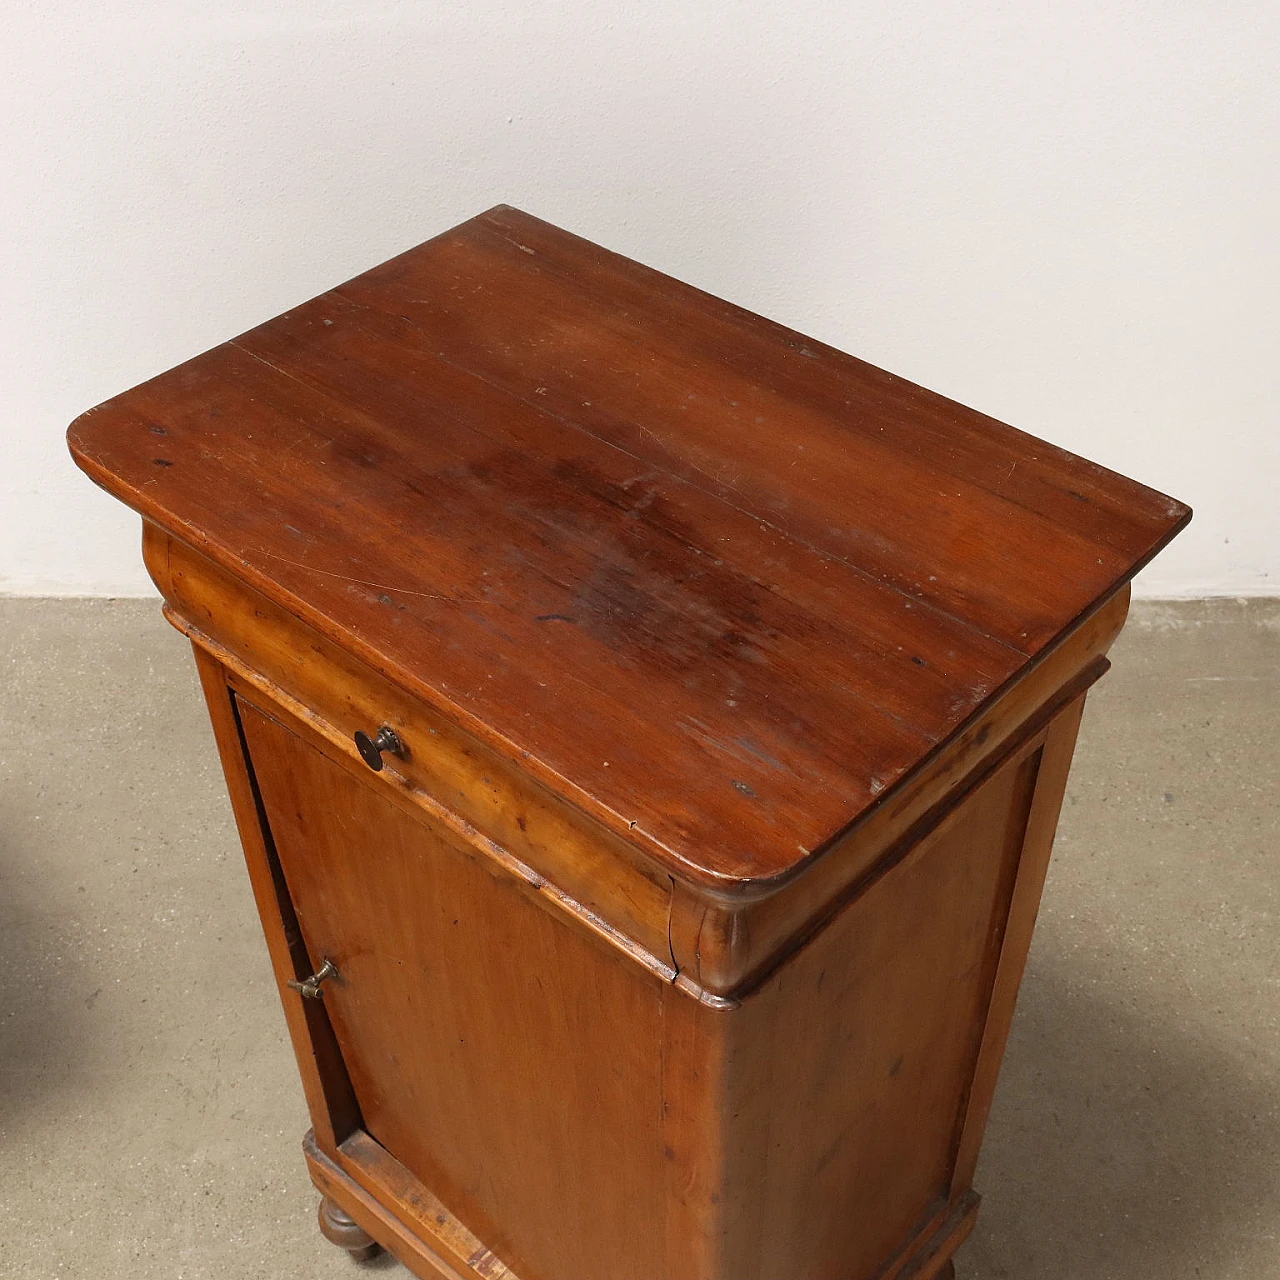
[[1064, 214]]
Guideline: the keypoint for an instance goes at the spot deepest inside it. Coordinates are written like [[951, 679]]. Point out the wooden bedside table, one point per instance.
[[646, 727]]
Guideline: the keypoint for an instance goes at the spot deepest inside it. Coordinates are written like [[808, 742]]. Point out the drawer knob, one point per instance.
[[310, 987], [371, 749]]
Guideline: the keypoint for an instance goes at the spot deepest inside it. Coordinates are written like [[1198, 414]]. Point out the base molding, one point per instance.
[[419, 1231], [928, 1256], [385, 1205]]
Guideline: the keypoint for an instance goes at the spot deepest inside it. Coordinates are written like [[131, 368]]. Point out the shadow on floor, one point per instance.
[[1123, 1144]]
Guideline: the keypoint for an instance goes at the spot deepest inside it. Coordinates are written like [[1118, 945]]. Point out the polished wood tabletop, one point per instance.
[[716, 583]]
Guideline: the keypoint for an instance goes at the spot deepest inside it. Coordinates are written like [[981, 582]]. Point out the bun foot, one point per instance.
[[337, 1226]]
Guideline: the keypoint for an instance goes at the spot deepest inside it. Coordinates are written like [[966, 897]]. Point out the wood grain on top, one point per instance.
[[718, 583]]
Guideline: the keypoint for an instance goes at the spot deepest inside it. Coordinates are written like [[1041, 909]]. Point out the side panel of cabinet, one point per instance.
[[508, 1061], [884, 1012], [827, 1127]]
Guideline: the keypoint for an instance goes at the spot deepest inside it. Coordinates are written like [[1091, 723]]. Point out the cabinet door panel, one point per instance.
[[509, 1062]]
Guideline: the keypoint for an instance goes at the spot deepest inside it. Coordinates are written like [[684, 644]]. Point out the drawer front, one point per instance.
[[504, 811], [506, 1059]]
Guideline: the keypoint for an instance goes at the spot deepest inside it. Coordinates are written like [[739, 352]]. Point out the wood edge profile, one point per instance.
[[728, 944]]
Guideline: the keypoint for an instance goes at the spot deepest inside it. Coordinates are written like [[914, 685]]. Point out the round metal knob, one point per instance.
[[371, 749], [310, 987]]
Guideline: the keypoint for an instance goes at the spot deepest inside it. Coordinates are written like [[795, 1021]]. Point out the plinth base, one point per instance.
[[372, 1201]]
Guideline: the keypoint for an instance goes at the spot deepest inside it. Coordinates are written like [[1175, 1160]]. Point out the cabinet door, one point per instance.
[[508, 1060]]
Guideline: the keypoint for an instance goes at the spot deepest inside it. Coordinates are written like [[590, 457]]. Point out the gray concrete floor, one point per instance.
[[149, 1112]]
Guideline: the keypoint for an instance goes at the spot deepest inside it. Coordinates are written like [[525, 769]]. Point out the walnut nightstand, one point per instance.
[[646, 727]]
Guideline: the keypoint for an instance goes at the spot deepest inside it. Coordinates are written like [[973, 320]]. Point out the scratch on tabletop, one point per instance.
[[342, 577]]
